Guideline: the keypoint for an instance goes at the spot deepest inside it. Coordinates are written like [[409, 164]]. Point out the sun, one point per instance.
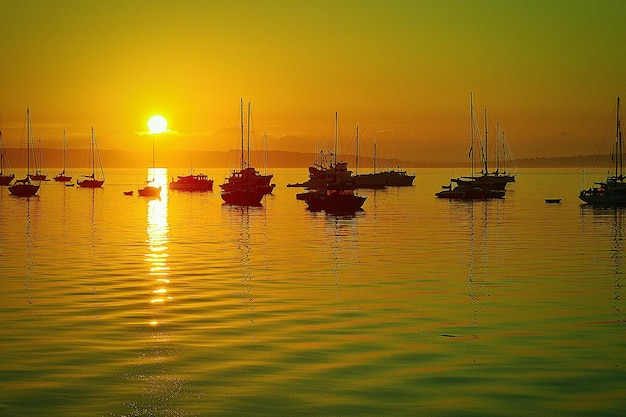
[[157, 124]]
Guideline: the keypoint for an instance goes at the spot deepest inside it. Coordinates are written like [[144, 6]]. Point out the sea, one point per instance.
[[118, 305]]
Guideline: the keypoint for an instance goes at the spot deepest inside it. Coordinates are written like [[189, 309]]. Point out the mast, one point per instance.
[[486, 145], [374, 157], [618, 136], [93, 153], [336, 136], [30, 135], [472, 130], [241, 113], [248, 134], [497, 147], [265, 153], [357, 149]]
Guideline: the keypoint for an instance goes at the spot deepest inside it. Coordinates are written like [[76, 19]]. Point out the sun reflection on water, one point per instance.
[[157, 241]]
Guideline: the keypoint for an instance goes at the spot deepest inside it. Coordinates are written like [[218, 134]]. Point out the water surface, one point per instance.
[[115, 305]]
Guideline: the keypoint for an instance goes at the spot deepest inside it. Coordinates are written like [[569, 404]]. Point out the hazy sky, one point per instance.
[[548, 71]]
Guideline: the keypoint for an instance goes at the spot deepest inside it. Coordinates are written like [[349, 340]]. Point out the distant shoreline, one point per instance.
[[277, 159]]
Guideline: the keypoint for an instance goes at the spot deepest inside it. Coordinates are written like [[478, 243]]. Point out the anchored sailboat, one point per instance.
[[613, 190], [62, 176], [90, 181], [149, 190], [247, 186], [24, 187]]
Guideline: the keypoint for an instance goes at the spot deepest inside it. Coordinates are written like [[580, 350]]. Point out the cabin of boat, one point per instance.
[[249, 178], [199, 182]]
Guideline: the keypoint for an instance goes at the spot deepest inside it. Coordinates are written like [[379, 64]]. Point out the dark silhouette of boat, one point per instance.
[[150, 190], [468, 192], [613, 190], [90, 181], [39, 174], [476, 187], [398, 178], [247, 186], [24, 187], [5, 178], [62, 176], [334, 198], [198, 182], [326, 169]]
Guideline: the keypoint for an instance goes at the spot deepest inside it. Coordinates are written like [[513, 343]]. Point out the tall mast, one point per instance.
[[374, 157], [497, 147], [618, 136], [472, 129], [93, 153], [486, 147], [357, 149], [248, 134], [241, 112], [30, 135], [336, 136]]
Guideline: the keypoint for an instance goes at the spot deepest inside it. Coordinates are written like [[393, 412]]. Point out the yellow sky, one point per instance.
[[548, 71]]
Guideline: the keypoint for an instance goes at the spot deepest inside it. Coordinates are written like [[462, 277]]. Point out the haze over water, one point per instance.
[[113, 305]]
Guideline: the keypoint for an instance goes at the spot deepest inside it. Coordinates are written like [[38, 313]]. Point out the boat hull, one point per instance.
[[62, 178], [150, 191], [243, 197], [24, 190], [463, 193], [6, 179], [398, 179], [90, 183]]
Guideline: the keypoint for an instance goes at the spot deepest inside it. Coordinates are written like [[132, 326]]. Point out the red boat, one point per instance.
[[198, 182], [249, 178]]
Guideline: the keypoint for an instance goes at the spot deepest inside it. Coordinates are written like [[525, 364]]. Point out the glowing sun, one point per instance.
[[157, 124]]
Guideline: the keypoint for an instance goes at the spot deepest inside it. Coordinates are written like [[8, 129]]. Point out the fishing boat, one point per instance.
[[398, 178], [473, 187], [191, 182], [90, 181], [326, 169], [334, 198], [246, 187], [150, 190], [24, 187], [5, 177], [39, 175], [62, 176], [613, 190]]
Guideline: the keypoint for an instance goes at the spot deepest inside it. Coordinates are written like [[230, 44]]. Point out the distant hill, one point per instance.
[[275, 159]]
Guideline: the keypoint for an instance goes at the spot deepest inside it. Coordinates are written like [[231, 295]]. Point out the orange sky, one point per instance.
[[548, 71]]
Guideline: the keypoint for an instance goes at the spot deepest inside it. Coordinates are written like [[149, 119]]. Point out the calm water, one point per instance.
[[113, 305]]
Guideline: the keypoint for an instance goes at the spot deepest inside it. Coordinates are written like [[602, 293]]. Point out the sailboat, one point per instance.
[[375, 180], [5, 177], [24, 187], [62, 176], [90, 181], [486, 180], [247, 186], [472, 187], [39, 174], [149, 190], [613, 190]]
